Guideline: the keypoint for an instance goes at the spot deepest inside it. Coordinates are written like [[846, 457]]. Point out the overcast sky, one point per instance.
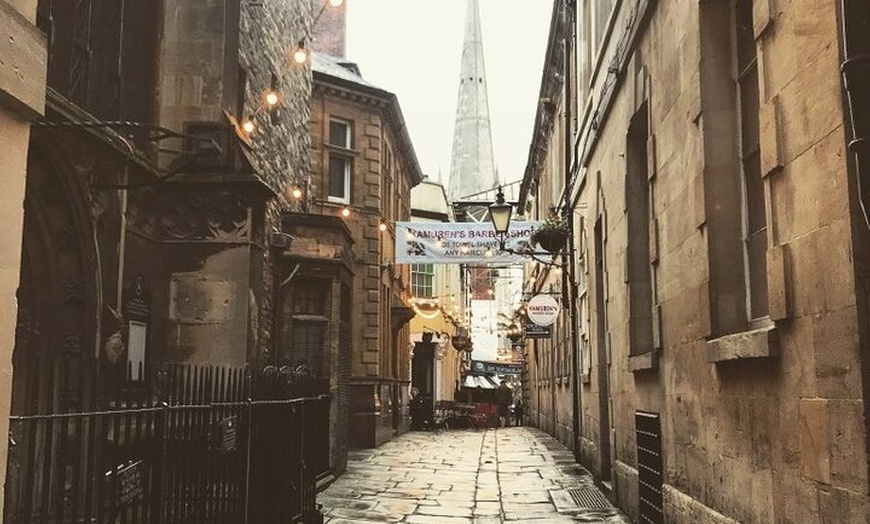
[[414, 47]]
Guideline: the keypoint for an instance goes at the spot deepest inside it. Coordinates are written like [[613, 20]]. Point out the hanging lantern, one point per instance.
[[461, 341]]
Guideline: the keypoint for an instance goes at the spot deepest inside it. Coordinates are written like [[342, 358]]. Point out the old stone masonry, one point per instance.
[[467, 477]]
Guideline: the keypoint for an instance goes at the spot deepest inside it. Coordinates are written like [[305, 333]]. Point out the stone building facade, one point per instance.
[[143, 188], [241, 56], [548, 386], [717, 218], [22, 99], [363, 167], [435, 364]]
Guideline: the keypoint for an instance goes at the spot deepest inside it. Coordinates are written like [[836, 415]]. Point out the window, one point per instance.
[[389, 195], [753, 206], [584, 49], [308, 348], [340, 136], [582, 287], [309, 297], [638, 217], [422, 280], [734, 204], [339, 178], [307, 345]]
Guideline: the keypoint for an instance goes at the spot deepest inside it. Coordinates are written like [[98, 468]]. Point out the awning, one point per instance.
[[482, 381]]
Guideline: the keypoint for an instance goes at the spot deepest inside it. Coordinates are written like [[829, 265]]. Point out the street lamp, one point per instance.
[[500, 213]]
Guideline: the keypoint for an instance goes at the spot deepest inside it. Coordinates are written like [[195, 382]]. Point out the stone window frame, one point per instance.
[[341, 153], [753, 206], [582, 287], [595, 25], [733, 332], [639, 278]]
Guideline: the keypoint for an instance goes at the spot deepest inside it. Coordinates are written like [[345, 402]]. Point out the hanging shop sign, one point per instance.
[[542, 310], [462, 243]]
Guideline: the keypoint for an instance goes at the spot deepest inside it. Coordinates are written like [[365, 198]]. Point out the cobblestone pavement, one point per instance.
[[466, 477]]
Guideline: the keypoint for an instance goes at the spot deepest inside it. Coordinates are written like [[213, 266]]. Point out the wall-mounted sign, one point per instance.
[[128, 482], [535, 331], [462, 243], [228, 434], [137, 311], [496, 368], [542, 310]]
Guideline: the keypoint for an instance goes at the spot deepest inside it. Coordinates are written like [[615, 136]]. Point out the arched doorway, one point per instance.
[[58, 292]]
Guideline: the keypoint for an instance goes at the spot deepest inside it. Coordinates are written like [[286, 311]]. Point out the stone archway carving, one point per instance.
[[59, 290]]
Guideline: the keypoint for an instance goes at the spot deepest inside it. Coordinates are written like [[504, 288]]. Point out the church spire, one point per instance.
[[471, 165]]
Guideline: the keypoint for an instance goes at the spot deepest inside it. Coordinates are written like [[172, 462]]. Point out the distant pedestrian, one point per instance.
[[504, 396], [518, 412]]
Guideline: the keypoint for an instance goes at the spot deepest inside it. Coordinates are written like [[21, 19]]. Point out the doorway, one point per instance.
[[603, 364]]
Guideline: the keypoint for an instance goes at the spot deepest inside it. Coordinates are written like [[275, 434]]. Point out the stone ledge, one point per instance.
[[644, 362], [755, 343], [325, 481], [680, 507]]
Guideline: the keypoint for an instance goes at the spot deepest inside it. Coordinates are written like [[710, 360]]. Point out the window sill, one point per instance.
[[339, 149], [754, 343], [643, 362]]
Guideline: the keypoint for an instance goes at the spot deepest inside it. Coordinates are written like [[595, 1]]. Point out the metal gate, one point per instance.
[[193, 445]]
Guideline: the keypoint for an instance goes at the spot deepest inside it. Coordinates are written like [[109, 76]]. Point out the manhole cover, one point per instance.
[[589, 498]]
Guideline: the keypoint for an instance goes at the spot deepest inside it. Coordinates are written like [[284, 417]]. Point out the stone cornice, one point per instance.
[[550, 92]]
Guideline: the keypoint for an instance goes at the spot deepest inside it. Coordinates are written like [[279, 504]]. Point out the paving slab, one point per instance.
[[493, 476]]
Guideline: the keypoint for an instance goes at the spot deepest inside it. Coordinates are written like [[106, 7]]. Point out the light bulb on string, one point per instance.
[[272, 98], [300, 54]]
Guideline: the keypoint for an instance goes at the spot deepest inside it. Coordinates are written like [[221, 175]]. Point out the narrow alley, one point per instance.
[[456, 477]]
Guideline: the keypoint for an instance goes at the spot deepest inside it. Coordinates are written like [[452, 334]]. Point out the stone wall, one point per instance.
[[379, 193], [282, 143], [780, 436], [22, 97], [219, 59]]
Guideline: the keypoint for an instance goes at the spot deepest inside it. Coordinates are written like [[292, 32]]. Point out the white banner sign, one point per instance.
[[461, 243]]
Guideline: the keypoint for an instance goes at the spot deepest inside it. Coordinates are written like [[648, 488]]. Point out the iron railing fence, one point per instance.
[[191, 444]]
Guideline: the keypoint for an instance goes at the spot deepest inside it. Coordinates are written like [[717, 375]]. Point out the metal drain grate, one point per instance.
[[590, 498]]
